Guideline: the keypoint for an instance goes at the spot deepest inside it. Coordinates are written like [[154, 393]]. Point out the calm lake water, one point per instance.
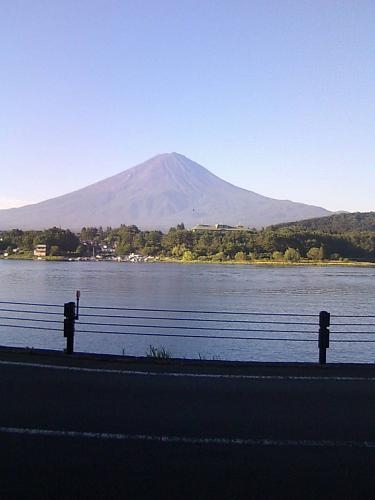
[[208, 288]]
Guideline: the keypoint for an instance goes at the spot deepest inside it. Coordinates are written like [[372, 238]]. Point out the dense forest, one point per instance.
[[338, 237], [336, 223]]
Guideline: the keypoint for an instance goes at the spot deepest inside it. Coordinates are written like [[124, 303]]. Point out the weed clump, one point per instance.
[[158, 353]]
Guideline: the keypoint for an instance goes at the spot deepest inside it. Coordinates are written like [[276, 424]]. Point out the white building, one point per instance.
[[40, 251]]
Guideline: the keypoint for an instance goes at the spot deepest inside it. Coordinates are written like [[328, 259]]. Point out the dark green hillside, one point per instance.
[[337, 223]]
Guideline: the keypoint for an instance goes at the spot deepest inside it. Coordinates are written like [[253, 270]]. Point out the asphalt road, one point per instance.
[[102, 429]]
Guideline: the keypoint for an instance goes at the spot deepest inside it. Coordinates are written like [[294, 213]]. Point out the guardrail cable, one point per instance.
[[185, 335], [188, 323], [12, 318], [208, 320], [184, 327], [179, 311], [34, 304], [28, 327], [24, 311]]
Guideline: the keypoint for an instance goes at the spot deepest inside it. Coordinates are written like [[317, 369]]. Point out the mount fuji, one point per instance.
[[161, 192]]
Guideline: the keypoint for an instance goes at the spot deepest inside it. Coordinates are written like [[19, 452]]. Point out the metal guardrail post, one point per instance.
[[324, 322], [78, 296], [70, 316]]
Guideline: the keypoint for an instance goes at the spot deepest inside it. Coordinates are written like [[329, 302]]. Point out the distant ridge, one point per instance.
[[157, 194], [336, 223]]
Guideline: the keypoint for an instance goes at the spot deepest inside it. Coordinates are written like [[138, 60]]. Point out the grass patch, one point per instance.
[[158, 353]]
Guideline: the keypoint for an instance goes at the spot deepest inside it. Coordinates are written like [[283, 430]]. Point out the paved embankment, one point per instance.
[[100, 427]]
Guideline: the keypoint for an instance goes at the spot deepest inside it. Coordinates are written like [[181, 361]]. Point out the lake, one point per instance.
[[205, 288]]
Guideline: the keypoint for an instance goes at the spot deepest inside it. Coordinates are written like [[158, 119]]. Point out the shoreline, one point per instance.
[[170, 260]]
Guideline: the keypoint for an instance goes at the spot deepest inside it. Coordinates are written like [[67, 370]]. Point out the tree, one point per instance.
[[188, 256], [219, 257], [322, 252], [277, 255], [82, 250], [152, 242], [178, 250], [314, 253], [62, 238], [123, 249], [292, 255], [54, 251], [88, 233], [240, 256]]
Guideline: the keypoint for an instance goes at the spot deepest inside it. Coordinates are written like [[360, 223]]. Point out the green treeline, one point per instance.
[[273, 244], [336, 223], [59, 241]]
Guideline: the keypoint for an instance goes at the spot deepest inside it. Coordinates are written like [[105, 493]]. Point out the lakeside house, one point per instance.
[[40, 251]]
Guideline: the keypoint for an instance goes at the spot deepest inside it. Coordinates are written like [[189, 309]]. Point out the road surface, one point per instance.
[[89, 428]]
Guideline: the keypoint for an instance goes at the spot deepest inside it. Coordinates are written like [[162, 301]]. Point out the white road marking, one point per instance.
[[188, 440], [187, 375]]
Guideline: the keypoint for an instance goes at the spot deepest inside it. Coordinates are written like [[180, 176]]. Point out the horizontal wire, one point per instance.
[[352, 333], [203, 328], [32, 327], [139, 334], [213, 329], [29, 304], [239, 313], [352, 316], [352, 341], [188, 311], [371, 325], [189, 319], [183, 328], [218, 337], [10, 318], [207, 320], [31, 312]]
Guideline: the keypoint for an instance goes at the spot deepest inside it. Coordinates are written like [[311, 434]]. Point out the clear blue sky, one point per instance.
[[275, 96]]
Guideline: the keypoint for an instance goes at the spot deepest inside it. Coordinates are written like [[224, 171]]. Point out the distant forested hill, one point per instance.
[[337, 223]]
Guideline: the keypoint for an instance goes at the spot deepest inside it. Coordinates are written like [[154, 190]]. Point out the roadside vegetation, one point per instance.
[[335, 239], [158, 353]]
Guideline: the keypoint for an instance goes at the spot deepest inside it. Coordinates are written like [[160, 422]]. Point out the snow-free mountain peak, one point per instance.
[[157, 194]]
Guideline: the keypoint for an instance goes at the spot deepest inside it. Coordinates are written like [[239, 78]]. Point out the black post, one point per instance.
[[70, 315], [78, 295], [324, 322]]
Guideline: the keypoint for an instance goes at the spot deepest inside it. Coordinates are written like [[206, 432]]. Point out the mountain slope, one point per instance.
[[336, 223], [159, 193]]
